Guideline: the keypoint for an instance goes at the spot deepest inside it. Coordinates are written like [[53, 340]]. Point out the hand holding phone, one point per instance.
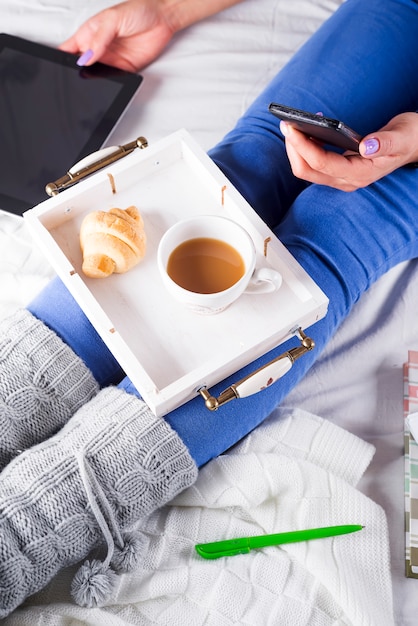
[[327, 130]]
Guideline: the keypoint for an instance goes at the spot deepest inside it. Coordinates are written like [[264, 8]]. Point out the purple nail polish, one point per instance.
[[85, 57], [372, 146]]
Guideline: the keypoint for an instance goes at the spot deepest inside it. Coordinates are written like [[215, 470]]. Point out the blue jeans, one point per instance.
[[361, 66]]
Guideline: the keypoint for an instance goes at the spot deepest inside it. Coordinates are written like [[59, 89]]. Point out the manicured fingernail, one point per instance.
[[85, 57], [372, 146], [284, 128]]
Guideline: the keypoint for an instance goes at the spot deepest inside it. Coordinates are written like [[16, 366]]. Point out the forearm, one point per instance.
[[183, 13]]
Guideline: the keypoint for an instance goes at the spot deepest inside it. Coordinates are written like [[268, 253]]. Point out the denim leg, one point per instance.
[[360, 66]]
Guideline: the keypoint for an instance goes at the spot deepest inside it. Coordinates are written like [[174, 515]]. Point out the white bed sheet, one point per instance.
[[203, 82]]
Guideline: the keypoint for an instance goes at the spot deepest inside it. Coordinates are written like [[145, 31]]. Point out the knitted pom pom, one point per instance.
[[124, 559], [93, 584]]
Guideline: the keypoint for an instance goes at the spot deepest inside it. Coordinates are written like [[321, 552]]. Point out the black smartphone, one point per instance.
[[326, 129]]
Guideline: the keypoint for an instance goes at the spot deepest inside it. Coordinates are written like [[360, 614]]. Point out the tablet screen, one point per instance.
[[53, 113]]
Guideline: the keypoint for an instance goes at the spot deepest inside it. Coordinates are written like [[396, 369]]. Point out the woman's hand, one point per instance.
[[128, 35], [393, 146], [131, 34]]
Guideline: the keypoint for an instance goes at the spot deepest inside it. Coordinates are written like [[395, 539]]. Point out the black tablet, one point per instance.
[[52, 114]]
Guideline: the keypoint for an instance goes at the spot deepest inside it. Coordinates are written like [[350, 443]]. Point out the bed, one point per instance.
[[349, 407]]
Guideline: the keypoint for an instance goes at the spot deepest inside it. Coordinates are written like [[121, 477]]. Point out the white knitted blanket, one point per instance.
[[295, 471]]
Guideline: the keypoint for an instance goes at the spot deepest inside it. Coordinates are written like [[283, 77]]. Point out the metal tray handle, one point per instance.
[[92, 163], [262, 377]]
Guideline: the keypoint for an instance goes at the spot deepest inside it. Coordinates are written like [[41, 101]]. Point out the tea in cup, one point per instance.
[[206, 262]]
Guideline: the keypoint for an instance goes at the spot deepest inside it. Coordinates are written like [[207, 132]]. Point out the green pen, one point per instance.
[[231, 547]]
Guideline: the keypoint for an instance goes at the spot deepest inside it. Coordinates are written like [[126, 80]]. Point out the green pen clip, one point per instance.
[[243, 545]]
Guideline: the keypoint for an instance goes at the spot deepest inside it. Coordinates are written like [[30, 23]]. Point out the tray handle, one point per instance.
[[262, 377], [92, 163]]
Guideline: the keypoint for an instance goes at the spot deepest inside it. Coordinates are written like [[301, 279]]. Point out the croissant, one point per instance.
[[112, 241]]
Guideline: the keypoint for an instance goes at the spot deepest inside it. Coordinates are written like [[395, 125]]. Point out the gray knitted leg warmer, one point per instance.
[[113, 463], [42, 383]]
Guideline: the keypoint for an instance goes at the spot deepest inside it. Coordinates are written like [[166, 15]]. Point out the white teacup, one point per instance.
[[207, 281]]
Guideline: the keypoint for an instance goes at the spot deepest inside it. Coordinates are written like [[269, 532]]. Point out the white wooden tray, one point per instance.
[[167, 351]]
